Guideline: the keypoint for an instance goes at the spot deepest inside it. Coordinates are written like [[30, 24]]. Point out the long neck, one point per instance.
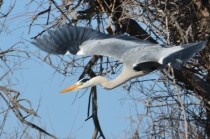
[[110, 84]]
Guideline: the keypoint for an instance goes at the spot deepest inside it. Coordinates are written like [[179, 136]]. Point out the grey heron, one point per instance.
[[139, 57]]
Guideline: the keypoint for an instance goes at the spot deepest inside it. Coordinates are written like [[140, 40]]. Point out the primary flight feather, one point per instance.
[[139, 57]]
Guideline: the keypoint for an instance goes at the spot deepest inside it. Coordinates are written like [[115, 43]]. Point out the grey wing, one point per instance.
[[65, 38], [114, 46], [84, 41], [143, 58], [155, 57]]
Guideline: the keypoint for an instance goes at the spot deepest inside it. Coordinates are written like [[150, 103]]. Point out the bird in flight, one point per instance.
[[139, 57]]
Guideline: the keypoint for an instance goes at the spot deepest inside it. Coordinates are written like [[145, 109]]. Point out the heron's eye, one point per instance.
[[83, 80]]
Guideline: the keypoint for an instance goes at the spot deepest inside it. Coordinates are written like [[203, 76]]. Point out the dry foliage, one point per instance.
[[178, 102]]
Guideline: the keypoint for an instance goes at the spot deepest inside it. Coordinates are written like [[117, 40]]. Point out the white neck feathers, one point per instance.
[[110, 84]]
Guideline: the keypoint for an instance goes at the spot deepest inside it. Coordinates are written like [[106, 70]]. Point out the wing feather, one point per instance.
[[90, 42], [135, 53]]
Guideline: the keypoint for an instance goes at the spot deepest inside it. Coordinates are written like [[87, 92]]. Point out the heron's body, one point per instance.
[[139, 57]]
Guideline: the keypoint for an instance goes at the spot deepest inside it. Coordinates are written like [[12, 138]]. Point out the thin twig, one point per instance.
[[182, 105], [13, 104], [56, 5], [95, 114]]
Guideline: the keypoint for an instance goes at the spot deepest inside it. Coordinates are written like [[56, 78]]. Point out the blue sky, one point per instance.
[[39, 83]]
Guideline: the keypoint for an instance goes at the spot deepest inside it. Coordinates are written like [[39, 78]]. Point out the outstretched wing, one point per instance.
[[84, 41]]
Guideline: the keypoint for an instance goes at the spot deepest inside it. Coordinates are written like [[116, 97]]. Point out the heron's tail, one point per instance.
[[179, 55]]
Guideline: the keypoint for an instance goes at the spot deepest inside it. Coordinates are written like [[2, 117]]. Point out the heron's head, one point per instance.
[[83, 83]]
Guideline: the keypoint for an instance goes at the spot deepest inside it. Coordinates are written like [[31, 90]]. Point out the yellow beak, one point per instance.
[[71, 88]]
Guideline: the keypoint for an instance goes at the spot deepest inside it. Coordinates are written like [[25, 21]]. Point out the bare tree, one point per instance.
[[177, 101], [11, 60], [166, 22]]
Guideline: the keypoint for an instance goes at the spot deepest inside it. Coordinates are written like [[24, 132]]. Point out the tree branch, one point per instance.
[[15, 106]]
